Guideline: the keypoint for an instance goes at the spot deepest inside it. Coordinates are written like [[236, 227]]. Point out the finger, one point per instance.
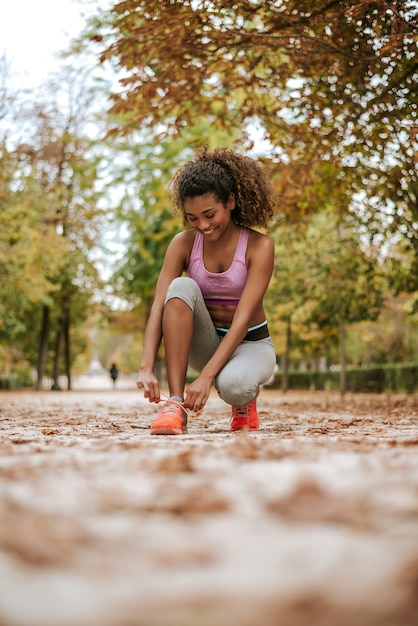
[[154, 397], [189, 401], [193, 402], [198, 406], [154, 393], [156, 388]]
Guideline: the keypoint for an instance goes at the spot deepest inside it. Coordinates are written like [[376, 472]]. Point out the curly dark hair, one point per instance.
[[223, 172]]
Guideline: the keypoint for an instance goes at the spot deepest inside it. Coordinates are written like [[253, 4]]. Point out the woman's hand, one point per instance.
[[148, 381], [198, 393]]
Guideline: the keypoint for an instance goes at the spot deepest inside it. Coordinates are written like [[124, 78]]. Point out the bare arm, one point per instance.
[[173, 266], [259, 273]]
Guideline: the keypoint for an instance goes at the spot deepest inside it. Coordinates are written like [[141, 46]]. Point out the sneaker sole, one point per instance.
[[246, 427], [165, 430]]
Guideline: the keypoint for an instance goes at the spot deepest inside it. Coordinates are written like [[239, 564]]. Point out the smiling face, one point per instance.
[[209, 216]]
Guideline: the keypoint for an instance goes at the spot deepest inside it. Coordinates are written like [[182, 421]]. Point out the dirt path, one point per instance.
[[312, 520]]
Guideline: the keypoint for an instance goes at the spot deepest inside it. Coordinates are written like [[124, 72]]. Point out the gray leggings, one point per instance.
[[252, 363]]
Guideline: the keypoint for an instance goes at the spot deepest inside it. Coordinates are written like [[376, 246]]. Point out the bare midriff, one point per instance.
[[221, 315]]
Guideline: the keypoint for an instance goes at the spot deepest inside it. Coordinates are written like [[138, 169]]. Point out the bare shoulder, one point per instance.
[[176, 258], [183, 241], [181, 246], [258, 243]]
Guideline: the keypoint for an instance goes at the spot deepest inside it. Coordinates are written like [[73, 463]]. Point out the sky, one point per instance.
[[32, 31]]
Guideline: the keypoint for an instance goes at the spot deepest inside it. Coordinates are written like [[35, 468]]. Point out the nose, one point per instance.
[[203, 224]]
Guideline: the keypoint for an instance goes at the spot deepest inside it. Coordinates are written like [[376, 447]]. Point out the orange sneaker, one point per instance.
[[245, 417], [171, 420]]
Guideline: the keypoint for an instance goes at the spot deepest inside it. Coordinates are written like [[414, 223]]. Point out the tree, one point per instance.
[[51, 211], [183, 56], [323, 80], [343, 281], [287, 290], [145, 209], [391, 338], [28, 250]]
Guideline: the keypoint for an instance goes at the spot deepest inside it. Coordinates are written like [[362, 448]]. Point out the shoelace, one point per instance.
[[167, 399], [240, 411], [171, 401]]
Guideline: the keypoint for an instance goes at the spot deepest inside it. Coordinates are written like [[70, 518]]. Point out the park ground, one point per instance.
[[312, 520]]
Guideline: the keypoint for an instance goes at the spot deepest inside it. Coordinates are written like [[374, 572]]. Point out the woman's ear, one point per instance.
[[231, 202]]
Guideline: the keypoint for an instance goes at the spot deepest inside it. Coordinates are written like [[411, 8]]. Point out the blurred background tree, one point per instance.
[[50, 220]]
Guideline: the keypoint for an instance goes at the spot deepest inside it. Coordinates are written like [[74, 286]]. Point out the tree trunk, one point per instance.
[[286, 357], [67, 347], [57, 355], [43, 347], [343, 385]]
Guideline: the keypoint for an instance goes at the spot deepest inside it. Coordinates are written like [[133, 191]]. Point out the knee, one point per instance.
[[182, 287], [235, 389]]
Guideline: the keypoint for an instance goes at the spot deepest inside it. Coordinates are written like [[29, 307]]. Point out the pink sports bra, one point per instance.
[[224, 288]]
